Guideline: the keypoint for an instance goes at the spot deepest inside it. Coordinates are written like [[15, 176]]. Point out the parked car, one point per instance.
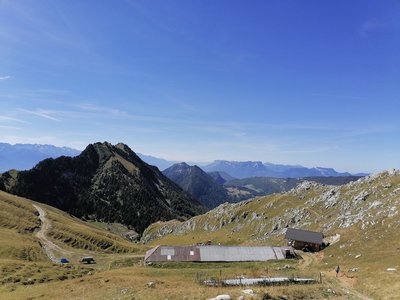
[[87, 260]]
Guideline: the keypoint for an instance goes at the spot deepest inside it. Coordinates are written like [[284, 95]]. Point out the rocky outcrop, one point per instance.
[[368, 202], [107, 183]]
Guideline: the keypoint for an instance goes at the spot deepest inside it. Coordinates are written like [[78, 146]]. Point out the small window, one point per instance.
[[169, 257], [191, 252]]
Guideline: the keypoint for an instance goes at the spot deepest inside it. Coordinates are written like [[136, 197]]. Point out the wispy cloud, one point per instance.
[[5, 77], [90, 107], [6, 127], [370, 26], [41, 113], [11, 119]]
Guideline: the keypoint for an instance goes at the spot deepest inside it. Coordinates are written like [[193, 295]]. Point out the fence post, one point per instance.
[[320, 277]]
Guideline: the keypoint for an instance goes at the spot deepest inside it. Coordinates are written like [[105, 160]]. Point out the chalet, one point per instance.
[[216, 253], [305, 240]]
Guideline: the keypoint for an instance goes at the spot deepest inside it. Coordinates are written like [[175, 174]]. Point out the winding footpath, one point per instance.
[[48, 246], [310, 259]]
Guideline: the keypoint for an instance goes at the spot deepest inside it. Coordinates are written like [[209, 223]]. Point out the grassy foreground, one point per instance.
[[176, 281]]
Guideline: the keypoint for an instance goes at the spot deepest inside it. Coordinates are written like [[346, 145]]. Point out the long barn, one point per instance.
[[200, 253]]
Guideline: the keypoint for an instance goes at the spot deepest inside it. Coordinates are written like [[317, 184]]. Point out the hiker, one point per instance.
[[337, 270]]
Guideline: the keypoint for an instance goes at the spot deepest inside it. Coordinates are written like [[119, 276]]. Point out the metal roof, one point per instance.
[[239, 253], [304, 235], [214, 253]]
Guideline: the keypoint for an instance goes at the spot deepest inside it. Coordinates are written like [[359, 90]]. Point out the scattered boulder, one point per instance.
[[391, 269], [132, 235], [354, 270], [361, 197], [151, 284], [288, 267], [358, 256], [124, 291], [331, 291], [221, 297], [248, 292]]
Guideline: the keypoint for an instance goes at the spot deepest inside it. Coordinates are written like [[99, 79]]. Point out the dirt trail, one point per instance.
[[48, 246], [346, 283]]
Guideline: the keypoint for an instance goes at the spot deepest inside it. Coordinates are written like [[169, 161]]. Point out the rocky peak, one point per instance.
[[105, 182]]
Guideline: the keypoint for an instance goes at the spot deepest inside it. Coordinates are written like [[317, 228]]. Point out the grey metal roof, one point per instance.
[[304, 235], [214, 253], [239, 253]]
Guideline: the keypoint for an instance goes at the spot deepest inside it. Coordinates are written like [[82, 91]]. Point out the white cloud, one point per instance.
[[41, 113], [10, 119], [90, 107], [5, 77], [371, 25], [6, 127]]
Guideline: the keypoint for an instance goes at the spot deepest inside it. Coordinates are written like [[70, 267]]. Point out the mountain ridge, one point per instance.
[[104, 182], [244, 169], [198, 183], [26, 156]]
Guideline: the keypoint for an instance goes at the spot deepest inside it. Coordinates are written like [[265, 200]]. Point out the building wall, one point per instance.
[[299, 245], [175, 253]]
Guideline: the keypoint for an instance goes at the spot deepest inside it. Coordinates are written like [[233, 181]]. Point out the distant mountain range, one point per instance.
[[105, 182], [247, 169], [215, 188], [25, 156], [160, 163]]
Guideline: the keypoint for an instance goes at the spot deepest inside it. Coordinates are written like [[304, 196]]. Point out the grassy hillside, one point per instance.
[[364, 213], [18, 221], [27, 273], [262, 186], [23, 261]]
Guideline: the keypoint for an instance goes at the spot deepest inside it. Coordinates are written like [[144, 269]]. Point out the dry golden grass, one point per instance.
[[23, 261], [121, 275], [77, 234], [171, 282], [377, 242]]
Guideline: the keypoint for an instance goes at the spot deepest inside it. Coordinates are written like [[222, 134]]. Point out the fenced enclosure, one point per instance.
[[221, 280]]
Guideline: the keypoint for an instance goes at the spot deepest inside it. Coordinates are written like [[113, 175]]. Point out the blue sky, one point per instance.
[[315, 83]]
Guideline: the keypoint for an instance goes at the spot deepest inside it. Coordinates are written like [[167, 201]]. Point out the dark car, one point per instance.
[[87, 260]]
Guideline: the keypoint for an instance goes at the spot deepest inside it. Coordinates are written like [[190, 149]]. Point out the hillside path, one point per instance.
[[312, 259], [48, 246]]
